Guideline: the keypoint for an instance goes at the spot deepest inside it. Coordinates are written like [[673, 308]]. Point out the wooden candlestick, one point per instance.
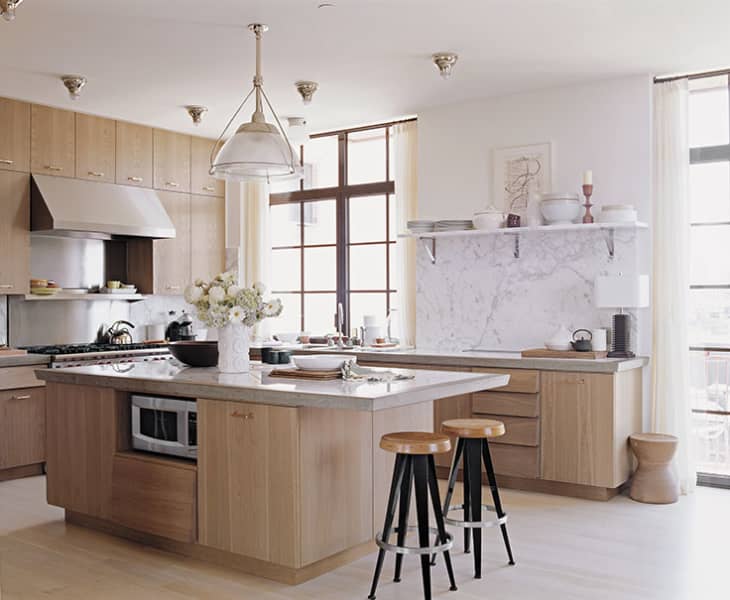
[[588, 192]]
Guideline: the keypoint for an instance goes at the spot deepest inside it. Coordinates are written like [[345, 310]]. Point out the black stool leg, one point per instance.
[[495, 496], [440, 525], [420, 472], [404, 504], [398, 469], [452, 481], [474, 469], [467, 501]]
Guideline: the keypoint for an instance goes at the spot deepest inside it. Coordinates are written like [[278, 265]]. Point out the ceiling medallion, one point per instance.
[[196, 113], [73, 84], [445, 62], [306, 90], [7, 8]]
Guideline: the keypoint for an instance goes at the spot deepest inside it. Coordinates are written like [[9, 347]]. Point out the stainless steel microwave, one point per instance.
[[165, 425]]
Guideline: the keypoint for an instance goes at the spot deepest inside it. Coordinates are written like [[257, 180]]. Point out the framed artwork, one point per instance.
[[518, 172]]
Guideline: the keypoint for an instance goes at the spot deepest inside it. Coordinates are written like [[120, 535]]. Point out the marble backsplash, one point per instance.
[[3, 320], [479, 294]]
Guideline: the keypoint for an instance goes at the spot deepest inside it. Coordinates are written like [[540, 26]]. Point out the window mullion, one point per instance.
[[343, 232]]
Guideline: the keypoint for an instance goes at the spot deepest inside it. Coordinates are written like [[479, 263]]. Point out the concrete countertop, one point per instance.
[[173, 379], [24, 360]]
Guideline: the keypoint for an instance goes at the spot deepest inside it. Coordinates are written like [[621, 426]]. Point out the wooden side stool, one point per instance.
[[654, 481], [414, 463], [473, 446]]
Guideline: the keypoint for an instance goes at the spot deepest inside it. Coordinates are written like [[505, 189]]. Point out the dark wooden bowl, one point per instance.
[[195, 354]]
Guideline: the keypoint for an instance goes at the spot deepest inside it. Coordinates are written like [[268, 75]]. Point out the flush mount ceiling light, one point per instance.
[[297, 130], [7, 8], [73, 84], [196, 113], [445, 62], [258, 150], [306, 90]]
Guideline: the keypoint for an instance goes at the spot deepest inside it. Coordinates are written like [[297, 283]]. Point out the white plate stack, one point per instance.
[[454, 225], [421, 226]]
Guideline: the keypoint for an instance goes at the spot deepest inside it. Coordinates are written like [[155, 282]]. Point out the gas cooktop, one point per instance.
[[88, 348]]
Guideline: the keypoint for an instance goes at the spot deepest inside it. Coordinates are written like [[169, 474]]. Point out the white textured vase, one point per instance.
[[233, 346]]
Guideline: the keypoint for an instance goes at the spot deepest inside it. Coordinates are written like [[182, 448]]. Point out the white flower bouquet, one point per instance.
[[222, 301]]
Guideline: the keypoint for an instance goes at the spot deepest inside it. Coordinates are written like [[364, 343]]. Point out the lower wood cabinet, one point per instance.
[[22, 427]]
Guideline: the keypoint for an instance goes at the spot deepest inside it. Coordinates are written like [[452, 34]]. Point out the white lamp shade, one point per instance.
[[622, 291]]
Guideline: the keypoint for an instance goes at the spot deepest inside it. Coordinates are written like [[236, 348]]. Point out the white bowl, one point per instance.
[[558, 347], [618, 213], [287, 338], [558, 211], [321, 362]]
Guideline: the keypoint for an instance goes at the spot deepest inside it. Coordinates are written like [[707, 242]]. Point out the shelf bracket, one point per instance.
[[610, 242], [430, 245], [516, 251]]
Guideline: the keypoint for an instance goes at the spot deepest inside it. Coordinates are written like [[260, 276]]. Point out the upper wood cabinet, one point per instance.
[[207, 224], [171, 161], [95, 148], [14, 232], [171, 261], [201, 181], [134, 154], [14, 135], [52, 141]]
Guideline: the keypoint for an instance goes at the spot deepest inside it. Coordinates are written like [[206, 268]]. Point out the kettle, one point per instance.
[[180, 329], [117, 334], [582, 344]]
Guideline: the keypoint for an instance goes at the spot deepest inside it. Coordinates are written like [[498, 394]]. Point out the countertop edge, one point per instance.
[[24, 360]]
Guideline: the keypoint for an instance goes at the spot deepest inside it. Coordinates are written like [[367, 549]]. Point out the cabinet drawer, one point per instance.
[[518, 461], [505, 403], [521, 381], [12, 378], [155, 496], [22, 427], [520, 431]]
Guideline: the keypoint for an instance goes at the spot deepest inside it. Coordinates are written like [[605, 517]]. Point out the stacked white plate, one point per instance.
[[420, 226], [454, 225]]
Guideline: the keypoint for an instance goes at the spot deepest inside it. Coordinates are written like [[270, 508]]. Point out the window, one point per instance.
[[333, 235], [709, 319]]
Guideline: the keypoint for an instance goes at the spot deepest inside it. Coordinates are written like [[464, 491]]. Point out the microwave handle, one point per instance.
[[147, 438]]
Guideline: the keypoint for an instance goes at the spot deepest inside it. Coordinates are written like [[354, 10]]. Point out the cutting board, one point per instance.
[[302, 374], [12, 352], [545, 353]]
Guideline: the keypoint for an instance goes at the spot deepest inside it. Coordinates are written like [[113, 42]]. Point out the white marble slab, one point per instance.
[[172, 379]]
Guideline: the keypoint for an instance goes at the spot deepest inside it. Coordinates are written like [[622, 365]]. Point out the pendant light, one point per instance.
[[258, 150]]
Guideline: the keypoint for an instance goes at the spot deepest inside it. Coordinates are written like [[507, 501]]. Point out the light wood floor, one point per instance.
[[565, 549]]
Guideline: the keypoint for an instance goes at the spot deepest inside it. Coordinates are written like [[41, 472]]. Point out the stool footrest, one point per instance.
[[414, 549], [474, 524]]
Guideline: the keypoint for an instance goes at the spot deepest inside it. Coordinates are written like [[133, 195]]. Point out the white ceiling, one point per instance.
[[145, 59]]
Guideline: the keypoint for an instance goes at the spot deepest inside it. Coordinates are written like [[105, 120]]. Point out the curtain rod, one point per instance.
[[363, 128], [692, 75]]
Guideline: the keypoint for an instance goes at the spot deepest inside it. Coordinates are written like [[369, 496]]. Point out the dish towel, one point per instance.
[[352, 372]]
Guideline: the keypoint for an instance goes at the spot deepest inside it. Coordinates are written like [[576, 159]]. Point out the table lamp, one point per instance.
[[621, 291]]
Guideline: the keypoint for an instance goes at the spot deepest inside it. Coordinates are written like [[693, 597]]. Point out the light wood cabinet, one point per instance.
[[172, 257], [14, 135], [208, 235], [22, 427], [171, 161], [52, 141], [95, 148], [201, 181], [134, 154], [14, 232]]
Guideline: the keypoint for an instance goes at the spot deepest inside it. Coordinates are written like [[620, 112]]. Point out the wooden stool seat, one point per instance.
[[473, 428], [654, 481], [415, 442]]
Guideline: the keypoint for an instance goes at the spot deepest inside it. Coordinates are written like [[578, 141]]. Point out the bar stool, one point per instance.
[[473, 446], [414, 463]]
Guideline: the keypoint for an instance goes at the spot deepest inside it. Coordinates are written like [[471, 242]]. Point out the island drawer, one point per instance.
[[12, 378], [155, 495], [519, 431], [521, 381], [517, 461], [506, 403]]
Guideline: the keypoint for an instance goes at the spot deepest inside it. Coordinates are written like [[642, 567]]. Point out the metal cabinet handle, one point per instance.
[[53, 168], [96, 174], [6, 286], [172, 184], [24, 397], [6, 161], [240, 415], [172, 287], [209, 188], [135, 179]]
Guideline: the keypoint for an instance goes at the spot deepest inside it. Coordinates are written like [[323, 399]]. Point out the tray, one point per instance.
[[545, 353], [311, 375], [12, 352]]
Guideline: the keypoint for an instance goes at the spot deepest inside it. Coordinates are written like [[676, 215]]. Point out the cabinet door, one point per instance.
[[577, 415], [22, 427], [14, 232], [201, 181], [207, 225], [172, 161], [248, 480], [95, 148], [172, 256], [15, 136], [134, 154], [52, 141]]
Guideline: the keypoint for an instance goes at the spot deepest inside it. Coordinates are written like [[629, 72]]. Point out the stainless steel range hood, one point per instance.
[[73, 207]]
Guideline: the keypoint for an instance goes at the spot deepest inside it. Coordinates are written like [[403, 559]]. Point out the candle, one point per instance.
[[588, 178]]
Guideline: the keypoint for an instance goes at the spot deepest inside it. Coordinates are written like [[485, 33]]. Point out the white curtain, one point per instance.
[[671, 405], [405, 160]]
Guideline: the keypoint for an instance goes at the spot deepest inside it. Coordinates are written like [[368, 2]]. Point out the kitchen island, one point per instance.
[[289, 482]]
